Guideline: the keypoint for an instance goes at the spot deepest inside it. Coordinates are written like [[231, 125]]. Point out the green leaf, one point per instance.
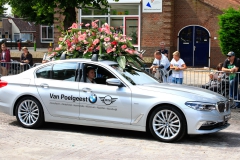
[[121, 61]]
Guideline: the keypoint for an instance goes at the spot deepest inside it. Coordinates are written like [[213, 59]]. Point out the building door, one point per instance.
[[194, 46]]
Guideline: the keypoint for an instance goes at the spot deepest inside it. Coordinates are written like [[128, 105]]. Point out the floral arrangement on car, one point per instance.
[[83, 43]]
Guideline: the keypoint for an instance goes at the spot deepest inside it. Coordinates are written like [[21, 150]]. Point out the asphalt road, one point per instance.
[[61, 141]]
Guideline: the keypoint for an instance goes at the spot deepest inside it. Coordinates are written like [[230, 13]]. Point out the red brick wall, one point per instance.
[[157, 27]]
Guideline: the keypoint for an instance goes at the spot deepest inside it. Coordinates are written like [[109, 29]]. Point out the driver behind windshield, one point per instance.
[[90, 75]]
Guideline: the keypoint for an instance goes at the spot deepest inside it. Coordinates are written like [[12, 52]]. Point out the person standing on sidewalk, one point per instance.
[[231, 65], [160, 66], [26, 59], [162, 49], [5, 57], [177, 65]]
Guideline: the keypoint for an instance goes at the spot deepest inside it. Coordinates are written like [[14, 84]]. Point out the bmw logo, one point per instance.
[[93, 98]]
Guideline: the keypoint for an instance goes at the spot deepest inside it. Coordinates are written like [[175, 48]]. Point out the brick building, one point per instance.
[[189, 26]]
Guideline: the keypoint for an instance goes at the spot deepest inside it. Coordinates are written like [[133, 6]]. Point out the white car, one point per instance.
[[121, 98]]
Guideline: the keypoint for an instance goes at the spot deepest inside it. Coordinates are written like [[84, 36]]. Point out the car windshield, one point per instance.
[[135, 76]]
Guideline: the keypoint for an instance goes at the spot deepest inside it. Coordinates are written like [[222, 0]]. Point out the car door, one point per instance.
[[58, 89], [104, 103]]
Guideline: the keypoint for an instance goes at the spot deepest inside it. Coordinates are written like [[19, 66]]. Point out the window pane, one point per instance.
[[124, 10], [16, 36], [44, 72], [26, 37], [50, 32], [186, 35], [201, 36], [101, 74], [117, 23], [44, 32], [64, 71], [132, 29]]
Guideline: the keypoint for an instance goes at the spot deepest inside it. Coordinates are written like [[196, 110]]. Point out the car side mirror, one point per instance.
[[114, 82]]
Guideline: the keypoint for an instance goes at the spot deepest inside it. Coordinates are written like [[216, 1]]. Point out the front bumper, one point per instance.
[[204, 122]]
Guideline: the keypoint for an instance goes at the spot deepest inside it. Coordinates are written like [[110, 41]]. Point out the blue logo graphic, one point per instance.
[[149, 5], [93, 98]]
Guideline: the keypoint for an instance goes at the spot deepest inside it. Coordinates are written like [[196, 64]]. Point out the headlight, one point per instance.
[[201, 106]]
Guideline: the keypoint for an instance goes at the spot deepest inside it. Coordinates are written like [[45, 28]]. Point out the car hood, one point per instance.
[[195, 93]]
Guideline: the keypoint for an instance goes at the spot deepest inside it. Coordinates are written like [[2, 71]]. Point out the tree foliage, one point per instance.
[[229, 31], [42, 11]]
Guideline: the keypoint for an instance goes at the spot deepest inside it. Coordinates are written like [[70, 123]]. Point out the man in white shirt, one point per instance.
[[160, 66]]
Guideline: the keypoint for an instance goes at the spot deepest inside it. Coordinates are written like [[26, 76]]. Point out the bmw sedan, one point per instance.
[[127, 98]]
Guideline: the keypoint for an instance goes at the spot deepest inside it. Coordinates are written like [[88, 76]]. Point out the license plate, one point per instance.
[[227, 117]]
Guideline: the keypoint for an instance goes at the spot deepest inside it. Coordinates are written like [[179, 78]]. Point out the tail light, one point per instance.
[[3, 83]]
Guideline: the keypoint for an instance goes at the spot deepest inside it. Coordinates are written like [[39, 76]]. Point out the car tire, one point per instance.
[[167, 124], [29, 112]]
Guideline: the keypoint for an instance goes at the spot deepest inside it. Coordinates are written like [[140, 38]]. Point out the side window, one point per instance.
[[64, 71], [101, 74], [44, 72]]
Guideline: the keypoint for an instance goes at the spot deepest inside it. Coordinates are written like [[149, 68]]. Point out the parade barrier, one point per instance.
[[226, 84], [12, 68]]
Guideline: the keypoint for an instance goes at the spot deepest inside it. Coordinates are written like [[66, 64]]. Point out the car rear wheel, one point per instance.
[[29, 112], [167, 124]]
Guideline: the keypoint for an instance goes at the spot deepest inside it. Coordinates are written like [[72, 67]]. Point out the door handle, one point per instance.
[[44, 85], [194, 48], [86, 90]]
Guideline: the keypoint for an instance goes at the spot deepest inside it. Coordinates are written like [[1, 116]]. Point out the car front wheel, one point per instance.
[[167, 124], [29, 112]]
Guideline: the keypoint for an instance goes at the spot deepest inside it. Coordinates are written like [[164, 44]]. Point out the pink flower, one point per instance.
[[78, 48], [60, 39], [57, 49], [106, 28], [96, 41], [124, 46], [53, 54], [131, 51], [96, 20], [82, 37], [94, 25], [90, 49], [109, 50], [98, 48], [87, 25], [74, 25], [107, 39]]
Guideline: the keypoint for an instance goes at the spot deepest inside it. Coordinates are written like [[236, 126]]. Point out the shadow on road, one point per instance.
[[219, 139]]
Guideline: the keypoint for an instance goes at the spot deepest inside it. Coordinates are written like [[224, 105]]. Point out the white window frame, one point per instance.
[[47, 40]]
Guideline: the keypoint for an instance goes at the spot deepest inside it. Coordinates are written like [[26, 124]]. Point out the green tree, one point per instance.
[[42, 11], [229, 31]]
